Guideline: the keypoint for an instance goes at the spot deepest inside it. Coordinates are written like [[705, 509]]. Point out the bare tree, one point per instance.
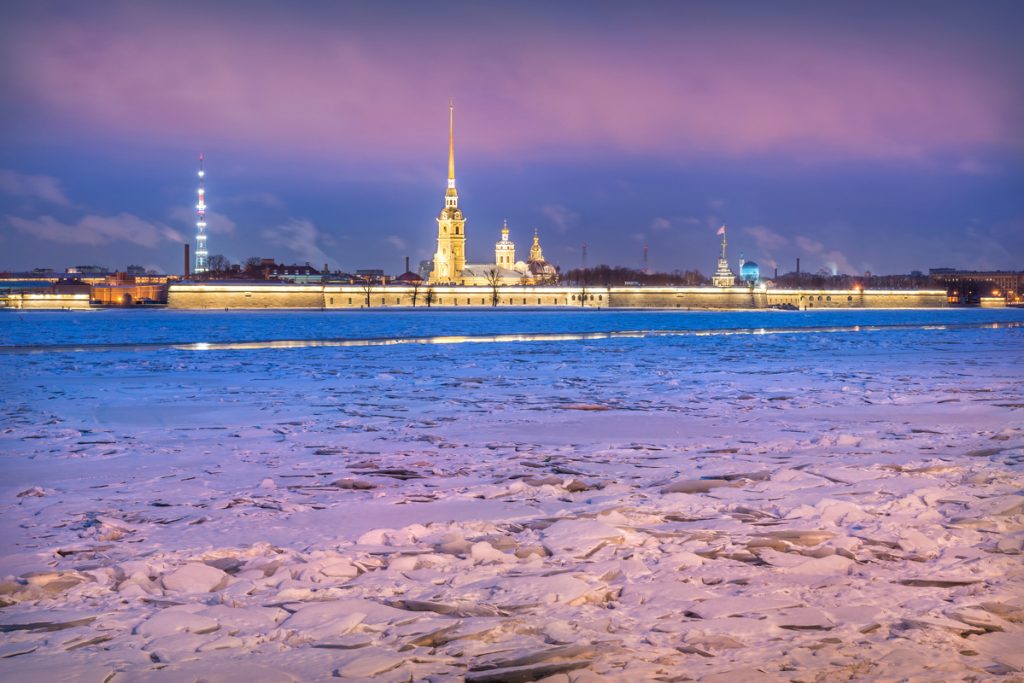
[[367, 290], [494, 282], [415, 292], [218, 264], [253, 267], [428, 296]]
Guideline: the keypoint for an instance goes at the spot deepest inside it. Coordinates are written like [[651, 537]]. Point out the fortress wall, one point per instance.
[[245, 296], [46, 301], [354, 296], [832, 298], [685, 297], [255, 295]]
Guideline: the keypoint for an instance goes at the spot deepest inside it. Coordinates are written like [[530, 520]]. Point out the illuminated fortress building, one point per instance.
[[450, 265]]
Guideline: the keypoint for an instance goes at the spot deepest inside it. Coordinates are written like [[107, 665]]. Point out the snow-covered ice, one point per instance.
[[635, 496]]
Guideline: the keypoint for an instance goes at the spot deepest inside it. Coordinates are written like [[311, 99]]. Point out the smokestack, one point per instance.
[[186, 262], [407, 264], [776, 272], [798, 266]]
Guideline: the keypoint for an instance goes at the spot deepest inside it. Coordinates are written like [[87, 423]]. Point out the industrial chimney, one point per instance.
[[185, 277]]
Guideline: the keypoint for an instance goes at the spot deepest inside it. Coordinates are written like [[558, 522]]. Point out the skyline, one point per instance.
[[846, 138]]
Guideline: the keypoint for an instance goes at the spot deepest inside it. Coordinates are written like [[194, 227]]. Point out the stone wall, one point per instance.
[[46, 301], [703, 298], [257, 295], [354, 296], [842, 298]]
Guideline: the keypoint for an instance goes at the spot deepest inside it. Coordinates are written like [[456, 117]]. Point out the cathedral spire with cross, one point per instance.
[[450, 257]]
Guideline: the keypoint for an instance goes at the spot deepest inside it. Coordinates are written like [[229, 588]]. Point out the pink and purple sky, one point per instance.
[[857, 136]]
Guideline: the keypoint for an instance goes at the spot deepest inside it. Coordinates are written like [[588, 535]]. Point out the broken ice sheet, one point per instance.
[[453, 525]]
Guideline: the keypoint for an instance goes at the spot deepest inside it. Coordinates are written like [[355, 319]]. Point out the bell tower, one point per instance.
[[450, 257], [505, 250]]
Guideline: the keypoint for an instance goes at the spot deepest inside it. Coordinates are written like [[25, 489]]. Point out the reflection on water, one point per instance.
[[489, 338]]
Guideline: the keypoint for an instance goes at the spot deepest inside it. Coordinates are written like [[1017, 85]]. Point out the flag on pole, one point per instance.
[[721, 231]]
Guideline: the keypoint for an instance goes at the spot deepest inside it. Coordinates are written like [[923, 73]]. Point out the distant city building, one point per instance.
[[409, 277], [970, 286], [301, 274], [372, 275], [92, 271], [723, 277], [426, 266], [71, 285], [135, 270]]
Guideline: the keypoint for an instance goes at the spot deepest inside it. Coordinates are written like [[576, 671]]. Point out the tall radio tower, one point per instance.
[[202, 264]]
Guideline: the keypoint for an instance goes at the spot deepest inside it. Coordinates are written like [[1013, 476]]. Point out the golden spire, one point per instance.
[[451, 142], [535, 252]]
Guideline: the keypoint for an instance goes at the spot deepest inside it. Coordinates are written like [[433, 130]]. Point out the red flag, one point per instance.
[[721, 231]]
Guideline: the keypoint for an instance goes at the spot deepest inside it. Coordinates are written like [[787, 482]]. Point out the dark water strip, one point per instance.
[[487, 338]]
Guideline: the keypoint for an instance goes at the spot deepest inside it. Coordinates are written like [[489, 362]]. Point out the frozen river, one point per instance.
[[111, 326], [511, 495]]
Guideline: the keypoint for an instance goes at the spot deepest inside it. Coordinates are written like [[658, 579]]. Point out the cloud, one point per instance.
[[42, 187], [216, 223], [98, 230], [561, 217], [834, 260], [659, 224], [396, 241], [723, 87], [706, 88], [299, 237], [767, 240]]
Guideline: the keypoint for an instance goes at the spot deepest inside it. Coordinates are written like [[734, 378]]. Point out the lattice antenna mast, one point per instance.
[[202, 255]]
